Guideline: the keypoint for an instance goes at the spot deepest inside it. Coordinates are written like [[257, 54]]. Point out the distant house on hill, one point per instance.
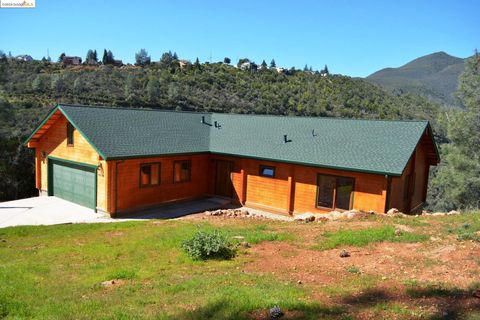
[[118, 160], [117, 63], [184, 63], [24, 57], [71, 60]]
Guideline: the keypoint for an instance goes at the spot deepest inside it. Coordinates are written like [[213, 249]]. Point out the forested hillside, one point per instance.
[[29, 89]]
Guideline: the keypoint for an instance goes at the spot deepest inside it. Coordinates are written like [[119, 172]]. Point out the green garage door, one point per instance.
[[73, 182]]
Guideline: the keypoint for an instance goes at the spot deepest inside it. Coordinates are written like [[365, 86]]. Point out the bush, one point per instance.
[[209, 245]]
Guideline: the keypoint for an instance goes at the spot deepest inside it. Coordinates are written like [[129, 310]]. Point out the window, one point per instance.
[[334, 192], [267, 171], [149, 174], [70, 130], [182, 171]]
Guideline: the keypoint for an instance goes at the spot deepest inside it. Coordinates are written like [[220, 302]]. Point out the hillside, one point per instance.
[[28, 89], [434, 76]]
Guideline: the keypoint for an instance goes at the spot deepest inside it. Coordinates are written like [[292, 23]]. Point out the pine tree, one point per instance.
[[264, 65], [175, 56], [142, 58], [110, 58], [105, 57], [197, 64], [273, 64], [227, 60], [326, 70], [60, 58], [456, 184], [305, 68]]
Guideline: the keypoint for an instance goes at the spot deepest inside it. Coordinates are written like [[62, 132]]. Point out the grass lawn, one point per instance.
[[56, 272]]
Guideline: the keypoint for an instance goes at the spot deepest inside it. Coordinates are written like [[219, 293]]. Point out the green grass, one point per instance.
[[363, 237], [55, 272], [466, 226]]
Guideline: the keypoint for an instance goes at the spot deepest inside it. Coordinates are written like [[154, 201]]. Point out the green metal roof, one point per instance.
[[375, 146]]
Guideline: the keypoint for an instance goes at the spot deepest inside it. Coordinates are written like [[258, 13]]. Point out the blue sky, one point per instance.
[[354, 38]]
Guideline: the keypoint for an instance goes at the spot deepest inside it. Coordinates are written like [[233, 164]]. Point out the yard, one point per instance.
[[399, 268]]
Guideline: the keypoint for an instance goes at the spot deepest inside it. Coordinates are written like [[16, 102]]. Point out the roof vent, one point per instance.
[[203, 119], [285, 139], [314, 134], [217, 125]]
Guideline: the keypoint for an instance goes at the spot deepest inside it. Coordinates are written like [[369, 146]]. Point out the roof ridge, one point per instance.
[[238, 114]]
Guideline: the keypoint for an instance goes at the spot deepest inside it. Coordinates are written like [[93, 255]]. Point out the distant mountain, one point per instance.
[[434, 76]]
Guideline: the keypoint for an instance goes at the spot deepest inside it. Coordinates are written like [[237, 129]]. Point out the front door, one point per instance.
[[223, 180]]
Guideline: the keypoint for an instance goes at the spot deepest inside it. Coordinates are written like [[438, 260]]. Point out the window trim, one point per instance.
[[72, 128], [334, 200], [262, 167], [189, 170], [149, 185]]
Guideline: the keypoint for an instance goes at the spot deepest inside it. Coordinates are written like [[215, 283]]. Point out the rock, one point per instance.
[[398, 232], [344, 254], [299, 281], [321, 218], [392, 211], [110, 283], [453, 212], [245, 244], [238, 237], [305, 217], [275, 312]]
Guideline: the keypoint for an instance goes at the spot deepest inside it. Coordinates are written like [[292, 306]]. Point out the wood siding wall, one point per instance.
[[419, 167], [54, 143], [294, 188], [126, 194]]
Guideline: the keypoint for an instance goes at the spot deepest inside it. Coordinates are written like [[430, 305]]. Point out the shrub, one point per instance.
[[209, 245]]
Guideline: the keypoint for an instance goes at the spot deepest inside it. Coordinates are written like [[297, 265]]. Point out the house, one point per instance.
[[117, 63], [117, 160], [72, 60], [24, 57]]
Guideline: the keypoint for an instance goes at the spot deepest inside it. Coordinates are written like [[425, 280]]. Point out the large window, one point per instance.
[[149, 174], [334, 192], [267, 171], [70, 130], [182, 171]]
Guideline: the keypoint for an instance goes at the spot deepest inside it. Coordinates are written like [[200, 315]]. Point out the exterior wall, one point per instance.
[[294, 188], [419, 167], [54, 143], [126, 193]]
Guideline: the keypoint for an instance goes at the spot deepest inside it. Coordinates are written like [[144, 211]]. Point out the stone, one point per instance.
[[392, 211], [245, 244], [453, 212], [305, 217], [275, 312], [344, 254]]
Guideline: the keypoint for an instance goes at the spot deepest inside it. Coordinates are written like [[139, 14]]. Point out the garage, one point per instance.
[[72, 181]]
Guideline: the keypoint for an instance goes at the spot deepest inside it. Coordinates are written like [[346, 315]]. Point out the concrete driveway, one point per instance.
[[46, 211]]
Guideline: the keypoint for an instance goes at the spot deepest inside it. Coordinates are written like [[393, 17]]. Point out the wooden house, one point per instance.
[[118, 160]]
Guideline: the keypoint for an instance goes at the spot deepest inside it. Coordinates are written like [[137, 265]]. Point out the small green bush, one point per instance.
[[209, 245]]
